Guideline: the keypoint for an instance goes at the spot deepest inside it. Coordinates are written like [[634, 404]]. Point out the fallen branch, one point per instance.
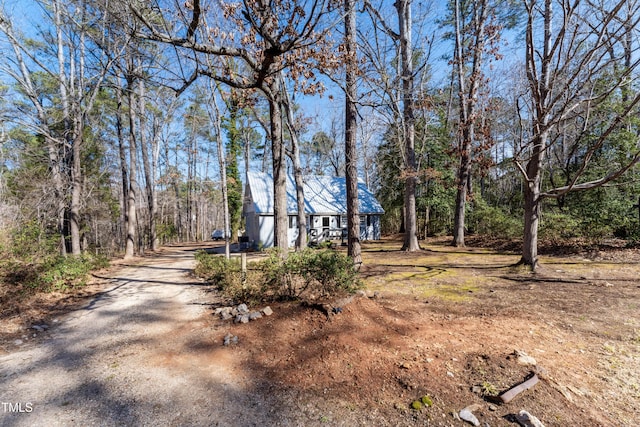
[[508, 395]]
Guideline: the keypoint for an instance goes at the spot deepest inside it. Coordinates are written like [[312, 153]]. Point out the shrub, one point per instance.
[[493, 221], [319, 272], [313, 272], [558, 227], [30, 242], [62, 273], [227, 276]]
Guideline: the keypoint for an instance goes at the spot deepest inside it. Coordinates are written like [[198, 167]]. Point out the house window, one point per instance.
[[363, 220], [326, 222], [293, 221]]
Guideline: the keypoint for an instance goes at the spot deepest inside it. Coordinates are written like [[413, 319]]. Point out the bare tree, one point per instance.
[[281, 36], [570, 71], [294, 154], [350, 136], [78, 86]]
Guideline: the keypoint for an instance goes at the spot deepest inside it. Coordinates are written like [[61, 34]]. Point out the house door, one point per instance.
[[326, 224]]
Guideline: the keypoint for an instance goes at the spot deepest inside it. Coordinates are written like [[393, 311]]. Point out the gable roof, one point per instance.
[[322, 194]]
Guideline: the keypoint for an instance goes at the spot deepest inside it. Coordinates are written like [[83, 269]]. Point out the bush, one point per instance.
[[558, 227], [493, 221], [61, 273], [30, 242], [309, 272], [317, 272], [227, 276], [30, 260]]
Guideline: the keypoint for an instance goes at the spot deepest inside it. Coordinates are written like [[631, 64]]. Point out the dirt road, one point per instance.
[[130, 356]]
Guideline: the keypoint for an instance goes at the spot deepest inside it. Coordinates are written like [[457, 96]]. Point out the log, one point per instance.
[[508, 395]]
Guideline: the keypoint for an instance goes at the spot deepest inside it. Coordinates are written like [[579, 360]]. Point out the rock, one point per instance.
[[242, 318], [527, 420], [524, 359], [267, 311], [492, 407], [18, 342], [255, 315], [230, 339], [224, 313], [38, 328], [467, 414], [243, 309]]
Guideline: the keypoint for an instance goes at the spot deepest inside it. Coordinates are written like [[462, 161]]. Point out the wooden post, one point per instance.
[[243, 263]]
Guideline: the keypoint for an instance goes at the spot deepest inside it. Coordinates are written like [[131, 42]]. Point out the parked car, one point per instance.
[[218, 235]]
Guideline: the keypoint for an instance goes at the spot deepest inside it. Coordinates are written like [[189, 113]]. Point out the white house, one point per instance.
[[325, 206]]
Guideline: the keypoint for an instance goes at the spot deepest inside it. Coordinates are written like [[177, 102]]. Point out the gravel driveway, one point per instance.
[[139, 353]]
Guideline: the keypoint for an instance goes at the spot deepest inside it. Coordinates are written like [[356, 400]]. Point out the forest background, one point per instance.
[[127, 125]]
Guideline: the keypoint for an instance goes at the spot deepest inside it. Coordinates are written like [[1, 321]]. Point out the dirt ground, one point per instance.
[[443, 323]]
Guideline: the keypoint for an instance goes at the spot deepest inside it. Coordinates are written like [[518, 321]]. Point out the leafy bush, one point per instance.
[[493, 221], [227, 276], [30, 242], [318, 272], [309, 272], [557, 227], [61, 273], [30, 261]]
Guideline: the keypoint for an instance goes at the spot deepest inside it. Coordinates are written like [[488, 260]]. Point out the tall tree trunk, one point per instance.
[[133, 180], [350, 127], [124, 170], [66, 113], [223, 175], [410, 171], [281, 239], [53, 148], [540, 84], [532, 204], [148, 173], [467, 103], [76, 188], [301, 240]]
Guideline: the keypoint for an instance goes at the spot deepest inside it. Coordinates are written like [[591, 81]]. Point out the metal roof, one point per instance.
[[322, 194]]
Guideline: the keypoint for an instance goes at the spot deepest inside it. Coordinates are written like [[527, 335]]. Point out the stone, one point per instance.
[[227, 339], [467, 414], [18, 342], [524, 359], [255, 315], [243, 309], [267, 311], [230, 339], [527, 420], [38, 328], [227, 316], [242, 318]]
